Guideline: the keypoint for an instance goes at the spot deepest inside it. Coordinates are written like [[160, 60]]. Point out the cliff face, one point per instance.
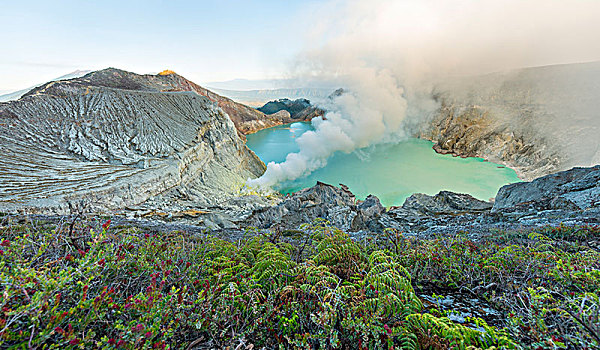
[[535, 120], [113, 139], [471, 131]]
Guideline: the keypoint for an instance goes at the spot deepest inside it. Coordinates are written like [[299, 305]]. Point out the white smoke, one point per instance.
[[351, 123], [387, 53]]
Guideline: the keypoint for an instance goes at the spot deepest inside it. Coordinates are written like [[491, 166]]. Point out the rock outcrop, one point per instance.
[[336, 205], [574, 189], [470, 131], [299, 110], [571, 196], [341, 209], [421, 212], [445, 202], [114, 139]]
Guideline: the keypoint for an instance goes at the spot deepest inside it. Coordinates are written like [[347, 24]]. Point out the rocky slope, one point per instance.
[[571, 196], [534, 120], [247, 120], [574, 189], [113, 139], [470, 131], [337, 205]]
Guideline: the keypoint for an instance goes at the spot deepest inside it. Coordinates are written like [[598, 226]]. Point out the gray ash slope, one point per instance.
[[115, 139]]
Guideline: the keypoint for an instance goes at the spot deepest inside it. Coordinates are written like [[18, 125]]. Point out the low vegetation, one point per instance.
[[85, 284]]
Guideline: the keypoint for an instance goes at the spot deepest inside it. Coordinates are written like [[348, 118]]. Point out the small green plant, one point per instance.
[[88, 285]]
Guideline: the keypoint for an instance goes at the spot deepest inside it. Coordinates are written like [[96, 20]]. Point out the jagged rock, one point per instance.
[[336, 205], [114, 139], [443, 213], [571, 197], [421, 211], [445, 202], [371, 206], [574, 189], [299, 110]]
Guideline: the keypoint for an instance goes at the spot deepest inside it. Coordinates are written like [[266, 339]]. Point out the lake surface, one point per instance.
[[391, 172]]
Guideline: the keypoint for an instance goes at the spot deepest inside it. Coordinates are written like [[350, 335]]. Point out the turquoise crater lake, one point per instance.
[[392, 172]]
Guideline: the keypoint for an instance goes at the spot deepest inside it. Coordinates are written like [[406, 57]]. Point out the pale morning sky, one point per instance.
[[215, 40], [203, 40]]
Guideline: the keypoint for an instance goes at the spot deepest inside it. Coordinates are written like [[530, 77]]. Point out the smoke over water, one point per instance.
[[350, 123], [387, 54]]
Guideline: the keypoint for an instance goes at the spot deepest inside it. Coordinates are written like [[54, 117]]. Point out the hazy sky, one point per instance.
[[212, 40], [203, 40]]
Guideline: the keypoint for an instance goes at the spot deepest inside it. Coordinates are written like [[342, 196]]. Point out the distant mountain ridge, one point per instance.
[[15, 95], [300, 109], [258, 98]]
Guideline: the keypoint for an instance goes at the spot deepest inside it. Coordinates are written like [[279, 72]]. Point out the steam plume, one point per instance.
[[388, 52], [351, 123]]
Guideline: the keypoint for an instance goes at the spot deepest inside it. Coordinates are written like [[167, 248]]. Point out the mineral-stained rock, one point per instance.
[[114, 139], [574, 189], [535, 120]]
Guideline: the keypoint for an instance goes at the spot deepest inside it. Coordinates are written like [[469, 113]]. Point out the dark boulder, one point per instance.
[[445, 202], [334, 204], [421, 212], [574, 189]]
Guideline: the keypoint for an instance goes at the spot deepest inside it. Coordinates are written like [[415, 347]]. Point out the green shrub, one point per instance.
[[122, 288]]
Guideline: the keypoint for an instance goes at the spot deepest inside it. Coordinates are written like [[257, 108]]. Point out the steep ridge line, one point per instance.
[[114, 139]]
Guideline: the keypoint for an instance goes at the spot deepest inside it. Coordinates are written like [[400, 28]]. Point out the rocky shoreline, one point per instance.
[[570, 198], [469, 131], [182, 164]]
